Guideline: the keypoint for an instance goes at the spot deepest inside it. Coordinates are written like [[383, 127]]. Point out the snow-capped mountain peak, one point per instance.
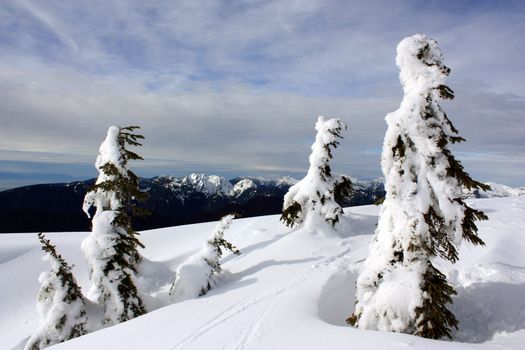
[[243, 186], [208, 184], [212, 185], [286, 181]]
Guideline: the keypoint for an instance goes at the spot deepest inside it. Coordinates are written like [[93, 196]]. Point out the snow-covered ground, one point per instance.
[[289, 289]]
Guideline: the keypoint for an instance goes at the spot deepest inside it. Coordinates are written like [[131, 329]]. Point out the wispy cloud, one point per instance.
[[51, 23]]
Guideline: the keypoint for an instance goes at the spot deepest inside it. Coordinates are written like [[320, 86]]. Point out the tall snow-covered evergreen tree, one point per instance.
[[112, 246], [311, 201], [60, 303], [424, 215], [197, 275]]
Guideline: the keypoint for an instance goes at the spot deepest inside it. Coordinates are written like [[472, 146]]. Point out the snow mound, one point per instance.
[[481, 313], [339, 287]]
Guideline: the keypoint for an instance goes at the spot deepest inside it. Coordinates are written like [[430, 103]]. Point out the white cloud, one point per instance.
[[239, 85]]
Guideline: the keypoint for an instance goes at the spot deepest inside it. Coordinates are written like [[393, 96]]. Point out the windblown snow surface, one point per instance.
[[289, 289]]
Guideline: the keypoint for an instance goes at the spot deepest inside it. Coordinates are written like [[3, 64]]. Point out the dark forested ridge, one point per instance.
[[172, 201]]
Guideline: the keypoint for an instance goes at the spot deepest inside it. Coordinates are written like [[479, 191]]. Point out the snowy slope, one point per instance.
[[289, 289], [498, 190]]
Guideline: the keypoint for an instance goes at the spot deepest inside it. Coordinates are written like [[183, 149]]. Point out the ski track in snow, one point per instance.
[[268, 299], [250, 332], [237, 309]]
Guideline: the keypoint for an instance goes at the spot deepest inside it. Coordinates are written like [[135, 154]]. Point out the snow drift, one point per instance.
[[288, 289]]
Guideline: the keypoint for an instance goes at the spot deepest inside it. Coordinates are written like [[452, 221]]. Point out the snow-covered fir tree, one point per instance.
[[60, 303], [423, 215], [311, 201], [112, 246], [197, 275]]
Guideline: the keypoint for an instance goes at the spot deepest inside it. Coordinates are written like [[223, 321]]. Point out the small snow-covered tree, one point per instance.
[[197, 275], [424, 215], [313, 197], [60, 303], [112, 246]]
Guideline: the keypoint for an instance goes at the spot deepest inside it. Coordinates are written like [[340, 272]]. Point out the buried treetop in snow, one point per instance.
[[197, 275]]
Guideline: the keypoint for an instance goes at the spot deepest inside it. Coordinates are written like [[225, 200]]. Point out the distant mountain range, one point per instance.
[[173, 201]]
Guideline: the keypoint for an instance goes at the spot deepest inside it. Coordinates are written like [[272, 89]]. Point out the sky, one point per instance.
[[234, 88]]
